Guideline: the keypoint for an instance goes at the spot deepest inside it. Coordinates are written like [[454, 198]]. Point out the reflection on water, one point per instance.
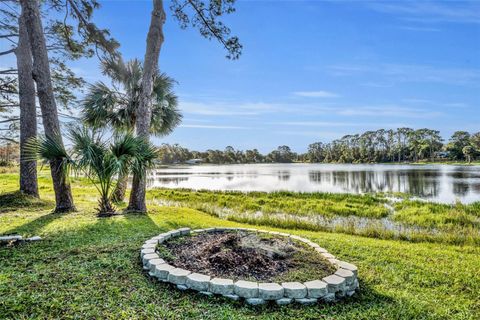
[[440, 183]]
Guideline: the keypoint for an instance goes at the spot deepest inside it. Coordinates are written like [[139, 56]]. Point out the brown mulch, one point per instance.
[[237, 255]]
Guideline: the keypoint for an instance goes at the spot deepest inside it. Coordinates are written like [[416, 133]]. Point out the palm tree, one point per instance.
[[99, 161], [116, 108]]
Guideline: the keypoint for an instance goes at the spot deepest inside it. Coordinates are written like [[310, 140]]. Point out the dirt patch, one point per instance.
[[246, 255]]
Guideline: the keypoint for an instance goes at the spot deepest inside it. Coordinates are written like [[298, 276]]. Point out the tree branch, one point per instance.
[[9, 140], [8, 71], [10, 120], [7, 52], [201, 15], [8, 35]]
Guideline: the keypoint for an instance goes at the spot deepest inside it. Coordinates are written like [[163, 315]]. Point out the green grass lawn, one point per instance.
[[89, 267]]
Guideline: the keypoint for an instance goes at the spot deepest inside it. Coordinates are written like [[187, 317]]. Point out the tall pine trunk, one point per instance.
[[28, 113], [143, 114], [42, 77]]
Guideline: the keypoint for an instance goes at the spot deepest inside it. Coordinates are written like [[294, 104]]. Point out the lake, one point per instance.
[[439, 183]]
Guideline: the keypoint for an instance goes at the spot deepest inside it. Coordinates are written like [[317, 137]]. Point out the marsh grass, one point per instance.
[[368, 215], [326, 204]]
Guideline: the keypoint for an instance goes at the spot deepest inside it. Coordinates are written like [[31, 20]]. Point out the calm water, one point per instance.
[[440, 183]]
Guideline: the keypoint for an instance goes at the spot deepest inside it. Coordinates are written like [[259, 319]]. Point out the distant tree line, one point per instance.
[[400, 145], [175, 153]]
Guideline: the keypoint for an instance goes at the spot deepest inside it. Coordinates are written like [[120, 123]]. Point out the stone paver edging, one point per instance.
[[344, 282]]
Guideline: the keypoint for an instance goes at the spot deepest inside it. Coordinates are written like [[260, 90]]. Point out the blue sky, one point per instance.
[[314, 70]]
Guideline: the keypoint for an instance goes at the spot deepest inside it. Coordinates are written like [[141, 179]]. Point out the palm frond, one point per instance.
[[99, 105], [144, 157], [48, 149], [165, 117], [116, 69], [134, 82], [124, 150], [163, 85], [106, 107], [88, 151]]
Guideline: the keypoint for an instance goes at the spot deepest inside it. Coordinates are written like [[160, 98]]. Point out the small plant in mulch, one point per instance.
[[246, 255]]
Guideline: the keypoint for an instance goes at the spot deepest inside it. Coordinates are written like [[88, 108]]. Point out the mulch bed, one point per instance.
[[244, 255]]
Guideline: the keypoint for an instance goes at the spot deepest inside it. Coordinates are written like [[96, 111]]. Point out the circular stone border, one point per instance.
[[342, 283]]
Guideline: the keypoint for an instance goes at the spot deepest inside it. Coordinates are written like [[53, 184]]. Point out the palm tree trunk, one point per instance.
[[28, 113], [120, 189], [42, 77], [143, 115], [105, 207]]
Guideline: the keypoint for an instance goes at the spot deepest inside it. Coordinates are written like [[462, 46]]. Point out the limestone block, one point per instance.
[[152, 264], [178, 276], [284, 301], [147, 257], [348, 266], [174, 233], [329, 297], [221, 286], [270, 291], [316, 289], [306, 301], [321, 250], [151, 241], [233, 297], [184, 231], [34, 238], [197, 281], [296, 237], [327, 255], [149, 246], [334, 283], [146, 251], [246, 289], [294, 290], [347, 274], [313, 245], [255, 301], [162, 271], [10, 238]]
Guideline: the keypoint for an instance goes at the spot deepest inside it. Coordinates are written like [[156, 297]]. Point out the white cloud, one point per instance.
[[388, 111], [431, 11], [426, 102], [421, 29], [391, 72], [227, 108], [201, 126], [339, 124], [316, 94], [324, 135]]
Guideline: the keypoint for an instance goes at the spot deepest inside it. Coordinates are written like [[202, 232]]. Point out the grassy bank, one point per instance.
[[86, 267], [325, 204], [365, 215]]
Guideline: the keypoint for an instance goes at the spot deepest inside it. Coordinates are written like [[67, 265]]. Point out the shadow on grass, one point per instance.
[[33, 227], [13, 201]]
